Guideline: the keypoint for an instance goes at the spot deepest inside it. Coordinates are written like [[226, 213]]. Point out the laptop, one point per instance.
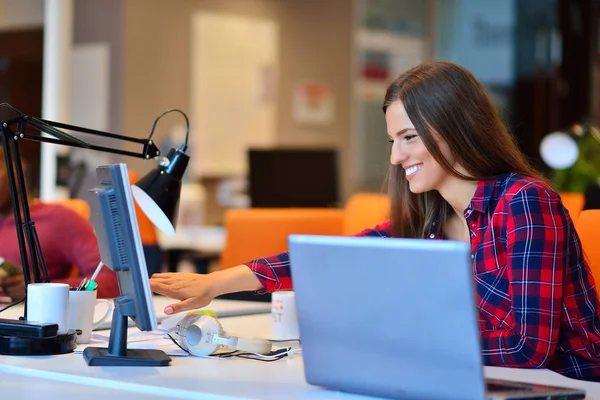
[[395, 318]]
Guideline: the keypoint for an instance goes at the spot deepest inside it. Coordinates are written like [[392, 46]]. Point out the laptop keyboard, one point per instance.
[[499, 387]]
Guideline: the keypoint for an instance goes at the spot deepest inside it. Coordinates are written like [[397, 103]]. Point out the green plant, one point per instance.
[[586, 170]]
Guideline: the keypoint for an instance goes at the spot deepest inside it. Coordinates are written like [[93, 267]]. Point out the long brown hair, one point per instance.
[[445, 98]]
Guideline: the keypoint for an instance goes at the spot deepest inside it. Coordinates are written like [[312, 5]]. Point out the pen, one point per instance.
[[82, 284], [91, 284], [96, 272]]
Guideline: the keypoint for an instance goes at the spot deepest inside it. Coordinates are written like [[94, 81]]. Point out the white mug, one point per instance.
[[49, 303], [82, 310], [284, 315]]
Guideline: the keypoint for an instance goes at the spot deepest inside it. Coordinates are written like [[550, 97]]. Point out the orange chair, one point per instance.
[[148, 232], [588, 229], [80, 206], [259, 232], [365, 210], [574, 203]]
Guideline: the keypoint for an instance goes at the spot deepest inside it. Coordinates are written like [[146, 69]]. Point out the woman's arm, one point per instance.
[[537, 232], [381, 230], [197, 290], [267, 274], [274, 272]]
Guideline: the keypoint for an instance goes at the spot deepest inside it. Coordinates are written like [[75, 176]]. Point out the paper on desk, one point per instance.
[[154, 340]]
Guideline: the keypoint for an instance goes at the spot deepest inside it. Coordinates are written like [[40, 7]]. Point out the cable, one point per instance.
[[272, 356], [175, 341], [283, 340], [11, 108], [187, 126], [13, 304]]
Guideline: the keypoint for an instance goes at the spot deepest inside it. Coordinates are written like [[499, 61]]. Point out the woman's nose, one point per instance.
[[398, 154]]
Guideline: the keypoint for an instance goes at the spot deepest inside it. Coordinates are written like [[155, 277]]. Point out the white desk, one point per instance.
[[223, 308], [192, 377], [19, 386]]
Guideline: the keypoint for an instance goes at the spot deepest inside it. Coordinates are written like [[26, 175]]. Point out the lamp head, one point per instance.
[[157, 193]]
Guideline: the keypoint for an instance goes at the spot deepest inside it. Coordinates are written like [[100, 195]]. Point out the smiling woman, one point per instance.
[[461, 141], [457, 174]]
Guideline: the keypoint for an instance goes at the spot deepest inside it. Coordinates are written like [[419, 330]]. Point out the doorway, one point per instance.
[[21, 63]]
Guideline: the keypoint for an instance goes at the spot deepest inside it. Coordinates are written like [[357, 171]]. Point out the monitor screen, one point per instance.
[[293, 177], [120, 245]]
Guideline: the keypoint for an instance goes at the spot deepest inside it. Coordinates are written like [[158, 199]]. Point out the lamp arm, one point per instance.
[[149, 150], [11, 131], [93, 131]]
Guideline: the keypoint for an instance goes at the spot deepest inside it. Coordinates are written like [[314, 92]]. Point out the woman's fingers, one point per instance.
[[164, 275], [162, 288], [190, 289], [185, 305]]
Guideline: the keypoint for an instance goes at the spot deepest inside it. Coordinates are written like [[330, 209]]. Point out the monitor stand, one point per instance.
[[117, 353]]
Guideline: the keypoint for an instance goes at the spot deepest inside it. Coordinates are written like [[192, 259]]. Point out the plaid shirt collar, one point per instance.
[[485, 192]]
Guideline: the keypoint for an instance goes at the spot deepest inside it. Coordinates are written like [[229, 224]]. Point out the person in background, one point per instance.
[[457, 174], [67, 240]]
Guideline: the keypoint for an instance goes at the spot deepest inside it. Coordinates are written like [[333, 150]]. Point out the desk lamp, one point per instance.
[[157, 194]]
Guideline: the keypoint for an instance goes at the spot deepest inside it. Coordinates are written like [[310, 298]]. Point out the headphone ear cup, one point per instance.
[[195, 333], [202, 335]]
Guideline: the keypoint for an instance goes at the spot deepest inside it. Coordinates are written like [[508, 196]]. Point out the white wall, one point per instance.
[[233, 92]]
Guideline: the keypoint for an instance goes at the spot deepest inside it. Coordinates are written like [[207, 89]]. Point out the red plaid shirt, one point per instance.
[[535, 293]]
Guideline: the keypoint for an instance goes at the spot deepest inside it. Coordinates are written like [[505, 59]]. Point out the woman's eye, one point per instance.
[[409, 137], [390, 141]]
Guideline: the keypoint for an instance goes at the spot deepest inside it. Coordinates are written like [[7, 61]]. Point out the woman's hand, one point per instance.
[[193, 290], [197, 290]]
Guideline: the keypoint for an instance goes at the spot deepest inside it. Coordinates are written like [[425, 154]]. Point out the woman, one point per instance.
[[457, 174]]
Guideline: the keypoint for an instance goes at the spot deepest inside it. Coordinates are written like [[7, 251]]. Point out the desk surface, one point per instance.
[[192, 377], [19, 386], [223, 308]]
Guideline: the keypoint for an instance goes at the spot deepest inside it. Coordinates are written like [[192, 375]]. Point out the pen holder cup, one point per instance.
[[82, 313]]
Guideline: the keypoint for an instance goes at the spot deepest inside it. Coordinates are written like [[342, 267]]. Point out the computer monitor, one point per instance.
[[293, 177], [120, 245]]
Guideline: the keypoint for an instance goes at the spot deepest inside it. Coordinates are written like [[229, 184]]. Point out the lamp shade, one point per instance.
[[157, 193]]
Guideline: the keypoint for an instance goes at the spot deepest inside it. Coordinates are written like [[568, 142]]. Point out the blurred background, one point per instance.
[[284, 96]]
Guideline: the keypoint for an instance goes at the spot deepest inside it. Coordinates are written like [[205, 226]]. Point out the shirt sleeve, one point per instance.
[[537, 255], [274, 272], [80, 248]]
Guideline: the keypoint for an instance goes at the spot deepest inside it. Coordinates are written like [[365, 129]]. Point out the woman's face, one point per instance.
[[422, 171]]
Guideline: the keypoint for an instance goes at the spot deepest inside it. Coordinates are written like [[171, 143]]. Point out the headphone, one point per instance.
[[201, 334]]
